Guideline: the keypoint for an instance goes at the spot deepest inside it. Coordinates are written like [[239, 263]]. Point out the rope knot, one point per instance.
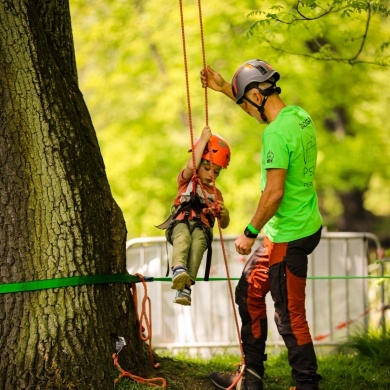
[[215, 209]]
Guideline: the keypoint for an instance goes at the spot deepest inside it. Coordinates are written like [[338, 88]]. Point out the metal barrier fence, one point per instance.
[[341, 297]]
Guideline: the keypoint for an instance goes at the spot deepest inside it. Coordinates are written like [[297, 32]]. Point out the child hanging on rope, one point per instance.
[[190, 229]]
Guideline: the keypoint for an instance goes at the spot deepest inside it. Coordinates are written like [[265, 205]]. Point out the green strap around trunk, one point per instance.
[[67, 282], [6, 288]]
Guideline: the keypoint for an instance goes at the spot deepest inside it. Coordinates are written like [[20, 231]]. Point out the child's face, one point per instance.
[[204, 173]]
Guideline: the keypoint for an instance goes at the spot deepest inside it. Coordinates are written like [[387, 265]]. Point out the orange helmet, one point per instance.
[[219, 148]]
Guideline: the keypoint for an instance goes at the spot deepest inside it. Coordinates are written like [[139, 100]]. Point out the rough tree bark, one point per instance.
[[57, 215]]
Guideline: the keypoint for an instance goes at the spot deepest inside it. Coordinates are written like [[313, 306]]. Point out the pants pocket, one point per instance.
[[277, 274]]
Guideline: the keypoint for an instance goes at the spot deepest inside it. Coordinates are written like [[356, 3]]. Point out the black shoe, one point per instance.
[[252, 380], [223, 380], [249, 381]]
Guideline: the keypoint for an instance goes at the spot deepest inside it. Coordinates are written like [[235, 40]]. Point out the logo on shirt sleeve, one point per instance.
[[270, 156]]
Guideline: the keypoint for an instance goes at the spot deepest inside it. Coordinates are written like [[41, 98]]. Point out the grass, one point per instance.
[[361, 364]]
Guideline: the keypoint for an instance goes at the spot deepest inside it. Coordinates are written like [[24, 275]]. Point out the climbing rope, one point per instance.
[[145, 334], [183, 37], [206, 104], [154, 382], [196, 179], [219, 225]]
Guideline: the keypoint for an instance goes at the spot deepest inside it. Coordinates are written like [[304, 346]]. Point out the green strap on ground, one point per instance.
[[67, 282]]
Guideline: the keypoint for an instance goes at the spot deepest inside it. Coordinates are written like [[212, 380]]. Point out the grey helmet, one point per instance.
[[252, 71]]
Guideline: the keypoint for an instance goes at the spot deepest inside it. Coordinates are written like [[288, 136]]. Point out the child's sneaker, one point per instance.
[[180, 278], [183, 297]]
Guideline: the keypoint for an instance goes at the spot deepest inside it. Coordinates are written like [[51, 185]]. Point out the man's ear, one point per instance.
[[257, 97]]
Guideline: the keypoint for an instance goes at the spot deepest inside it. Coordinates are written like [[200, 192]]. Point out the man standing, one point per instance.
[[288, 214]]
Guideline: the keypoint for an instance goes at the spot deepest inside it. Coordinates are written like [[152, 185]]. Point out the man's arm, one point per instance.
[[270, 198], [267, 207]]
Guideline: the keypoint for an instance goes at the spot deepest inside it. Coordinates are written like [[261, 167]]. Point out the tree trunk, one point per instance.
[[355, 217], [58, 217]]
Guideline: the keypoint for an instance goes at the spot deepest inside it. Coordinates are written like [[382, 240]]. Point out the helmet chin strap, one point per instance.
[[265, 92], [259, 108]]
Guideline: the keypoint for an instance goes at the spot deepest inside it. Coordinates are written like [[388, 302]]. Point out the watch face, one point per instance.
[[249, 234]]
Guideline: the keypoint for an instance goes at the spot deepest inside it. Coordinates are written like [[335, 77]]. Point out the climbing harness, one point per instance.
[[192, 201]]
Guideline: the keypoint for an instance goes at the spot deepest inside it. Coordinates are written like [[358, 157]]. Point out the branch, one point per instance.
[[307, 18], [352, 61], [275, 18], [303, 17], [364, 35]]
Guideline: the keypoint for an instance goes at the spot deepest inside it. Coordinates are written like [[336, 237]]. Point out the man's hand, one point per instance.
[[212, 79], [244, 245]]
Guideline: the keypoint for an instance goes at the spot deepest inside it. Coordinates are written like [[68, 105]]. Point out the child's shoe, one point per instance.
[[180, 278], [183, 297]]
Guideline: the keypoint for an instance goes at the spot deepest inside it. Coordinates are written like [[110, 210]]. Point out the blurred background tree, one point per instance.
[[334, 61]]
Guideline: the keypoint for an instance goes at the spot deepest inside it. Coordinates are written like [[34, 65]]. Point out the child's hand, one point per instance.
[[224, 217], [218, 209], [206, 134], [223, 211], [215, 209]]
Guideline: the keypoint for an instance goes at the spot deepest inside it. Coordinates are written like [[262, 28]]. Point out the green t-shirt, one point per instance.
[[289, 142]]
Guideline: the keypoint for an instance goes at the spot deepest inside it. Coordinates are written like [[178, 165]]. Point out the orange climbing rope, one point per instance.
[[145, 334], [154, 382], [206, 103], [196, 179]]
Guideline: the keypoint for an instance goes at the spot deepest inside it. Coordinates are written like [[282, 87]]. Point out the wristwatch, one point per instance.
[[249, 234]]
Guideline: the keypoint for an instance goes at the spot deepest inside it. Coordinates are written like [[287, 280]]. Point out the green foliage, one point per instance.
[[131, 71], [343, 31], [374, 346], [362, 363]]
